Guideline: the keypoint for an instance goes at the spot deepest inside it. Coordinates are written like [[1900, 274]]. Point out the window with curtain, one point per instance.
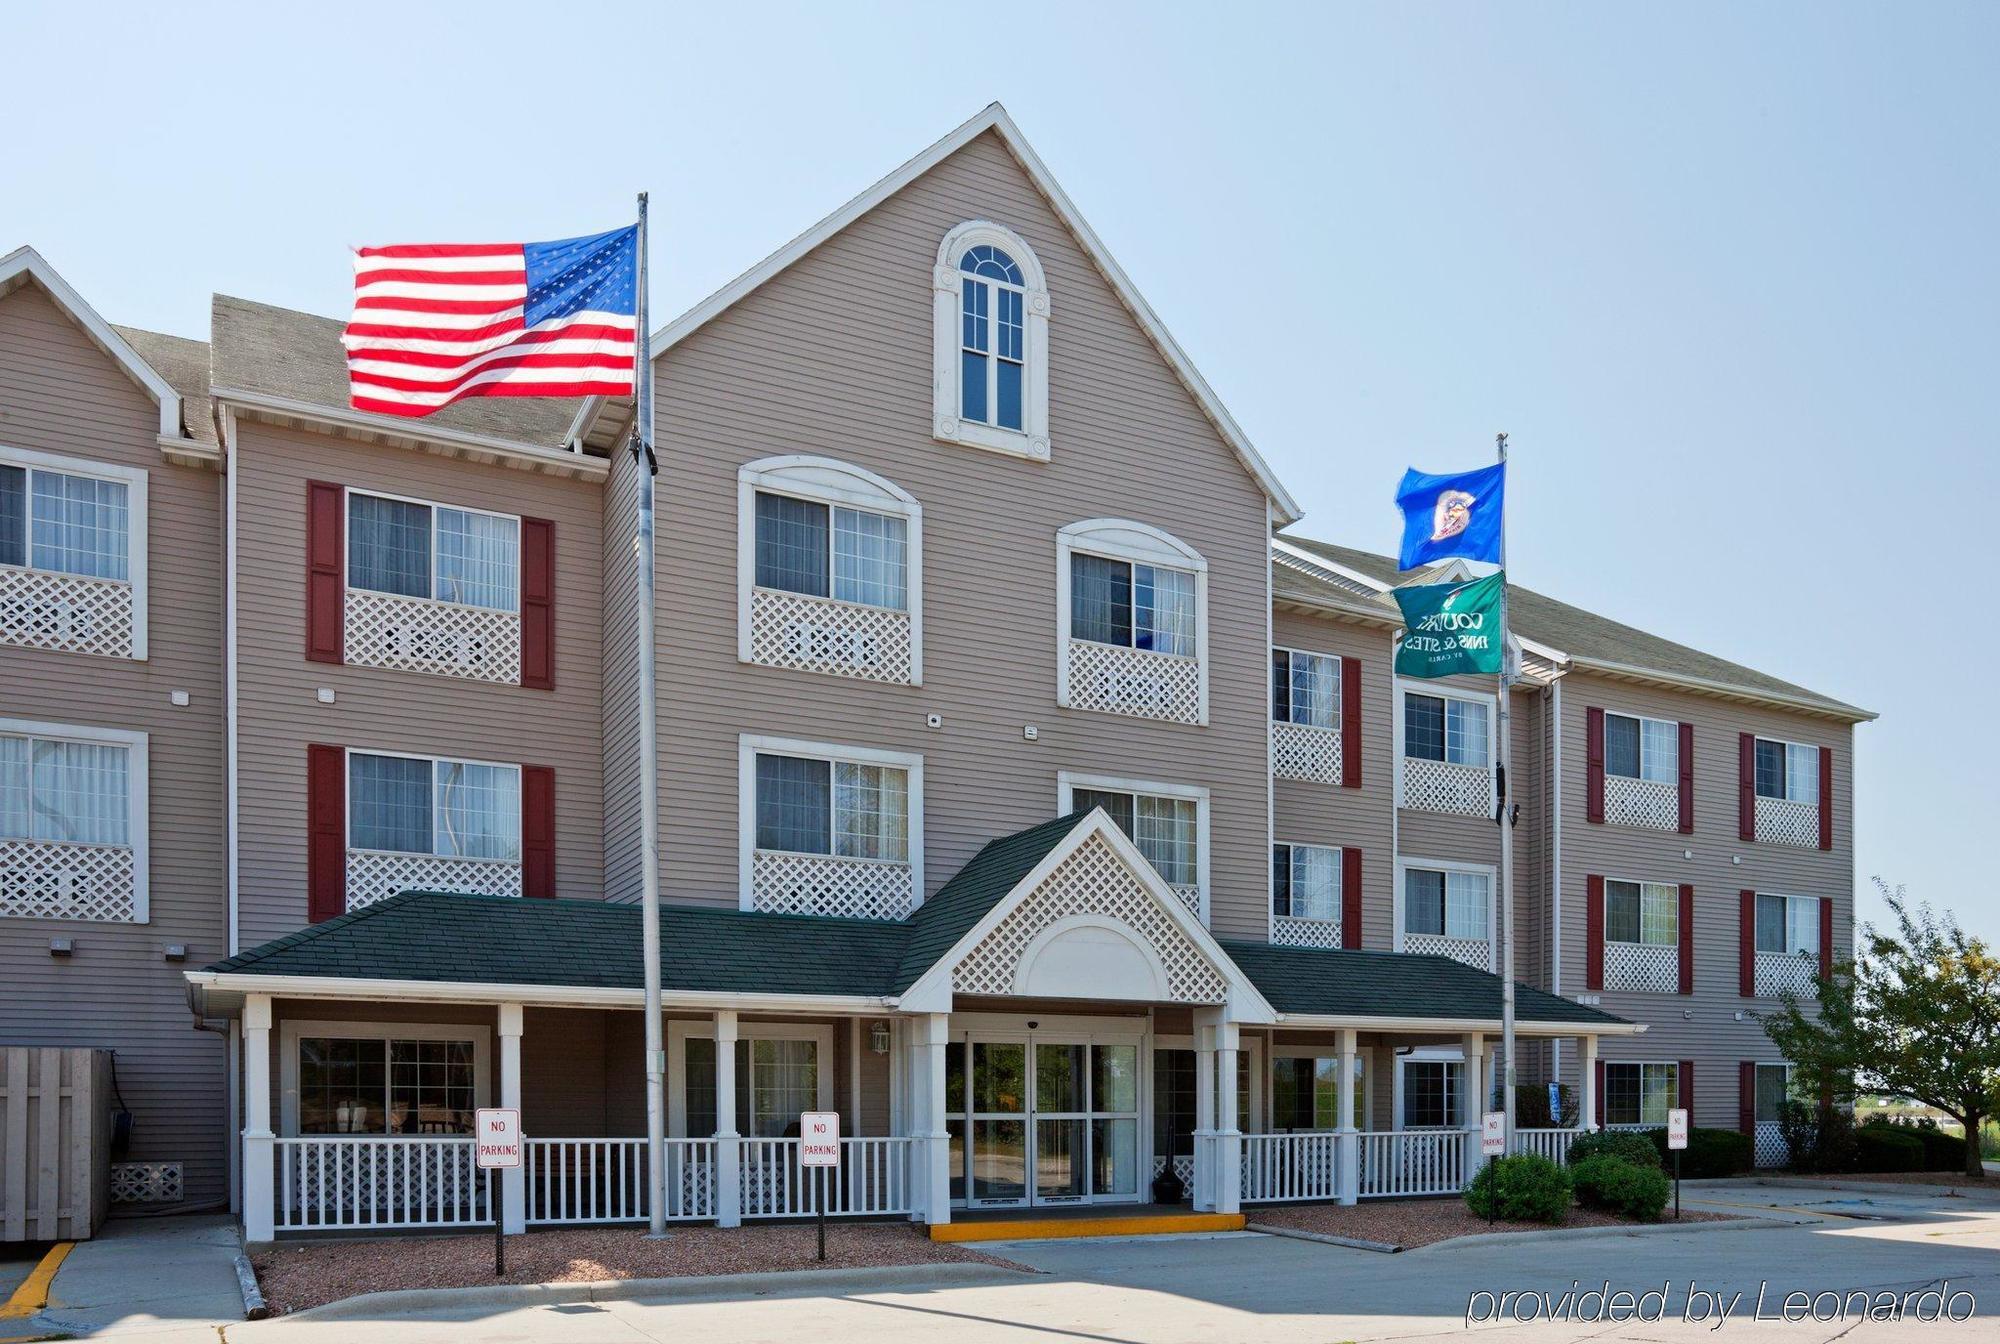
[[1430, 1093], [809, 805], [825, 550], [1640, 1094], [1774, 1088], [386, 1086], [1305, 882], [1788, 924], [1163, 828], [419, 805], [1446, 902], [64, 523], [1636, 748], [431, 551], [58, 790], [1136, 606], [1438, 728], [1305, 688], [776, 1079], [1642, 912], [1787, 770], [993, 338]]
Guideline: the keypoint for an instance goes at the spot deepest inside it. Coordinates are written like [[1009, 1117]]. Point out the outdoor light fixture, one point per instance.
[[878, 1038], [174, 952], [61, 947]]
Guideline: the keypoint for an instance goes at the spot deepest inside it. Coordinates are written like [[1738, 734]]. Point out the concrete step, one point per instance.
[[1113, 1225]]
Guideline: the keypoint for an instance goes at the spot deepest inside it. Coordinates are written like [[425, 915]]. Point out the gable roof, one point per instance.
[[992, 118], [939, 923], [24, 265]]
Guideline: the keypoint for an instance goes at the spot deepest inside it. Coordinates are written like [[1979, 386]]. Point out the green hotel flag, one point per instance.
[[1451, 628]]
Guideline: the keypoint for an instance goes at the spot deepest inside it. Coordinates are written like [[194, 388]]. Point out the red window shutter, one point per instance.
[[326, 833], [1687, 779], [1746, 947], [1825, 799], [1746, 787], [538, 831], [326, 585], [1593, 932], [1598, 1080], [538, 604], [1687, 1088], [1746, 1096], [1350, 723], [1350, 897], [1593, 788], [1826, 935], [1687, 938]]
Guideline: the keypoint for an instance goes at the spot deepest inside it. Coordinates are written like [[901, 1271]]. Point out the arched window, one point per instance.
[[991, 342], [1132, 621]]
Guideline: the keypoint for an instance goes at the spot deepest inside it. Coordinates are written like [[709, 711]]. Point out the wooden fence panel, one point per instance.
[[55, 1142]]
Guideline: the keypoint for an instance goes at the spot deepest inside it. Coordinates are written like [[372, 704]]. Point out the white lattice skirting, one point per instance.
[[146, 1183], [1783, 822], [820, 884], [1439, 786], [1183, 1167], [1138, 682], [1472, 951], [1290, 931], [1786, 973], [1644, 968], [65, 612], [415, 634], [1771, 1150], [1642, 802], [373, 876], [1300, 751], [817, 634], [1091, 881], [49, 879]]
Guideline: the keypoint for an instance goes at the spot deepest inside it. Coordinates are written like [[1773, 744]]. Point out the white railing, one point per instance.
[[823, 884], [1642, 802], [1472, 951], [818, 634], [1786, 973], [374, 875], [1440, 786], [1784, 822], [336, 1182], [54, 879], [604, 1180], [416, 634], [1293, 931], [68, 613], [1401, 1163], [1280, 1167], [1302, 751], [1550, 1143], [1645, 968], [1139, 682], [873, 1179]]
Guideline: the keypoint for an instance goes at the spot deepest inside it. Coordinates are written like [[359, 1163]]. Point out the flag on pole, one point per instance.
[[1451, 628], [434, 322], [1444, 516]]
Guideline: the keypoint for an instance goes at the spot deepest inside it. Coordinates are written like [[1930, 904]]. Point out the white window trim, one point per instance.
[[1406, 687], [347, 803], [137, 794], [1339, 687], [347, 546], [1032, 439], [826, 480], [1138, 544], [1426, 1054], [1068, 782], [136, 512], [1640, 1064], [1642, 883], [292, 1030], [1406, 862], [1788, 743], [1642, 720], [748, 745], [680, 1032], [1339, 881]]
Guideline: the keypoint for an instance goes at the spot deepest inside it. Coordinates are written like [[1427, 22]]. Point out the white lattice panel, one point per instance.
[[415, 634], [1472, 951], [1288, 931], [1183, 1167], [1138, 682], [1301, 751], [146, 1183], [1642, 802], [1091, 881], [1645, 968], [1784, 822], [820, 884], [66, 612], [1786, 973], [1440, 786], [1190, 896], [1770, 1147], [49, 879], [373, 876], [817, 634]]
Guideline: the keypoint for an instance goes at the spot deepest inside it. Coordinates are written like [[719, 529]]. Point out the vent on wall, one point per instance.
[[146, 1183]]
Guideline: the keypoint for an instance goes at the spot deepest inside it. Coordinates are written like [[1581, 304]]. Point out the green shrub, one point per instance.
[[1618, 1186], [1817, 1138], [1632, 1145], [1885, 1148], [1943, 1150], [1710, 1153], [1522, 1189]]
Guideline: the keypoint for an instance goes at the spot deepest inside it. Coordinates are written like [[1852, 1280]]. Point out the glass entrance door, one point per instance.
[[1051, 1120]]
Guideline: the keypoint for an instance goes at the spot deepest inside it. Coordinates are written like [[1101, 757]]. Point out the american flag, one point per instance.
[[434, 322]]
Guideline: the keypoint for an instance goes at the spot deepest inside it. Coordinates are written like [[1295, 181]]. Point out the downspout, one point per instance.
[[1270, 745], [1555, 860], [229, 709]]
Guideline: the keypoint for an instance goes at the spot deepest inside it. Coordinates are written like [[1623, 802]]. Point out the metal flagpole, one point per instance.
[[649, 758], [1506, 822]]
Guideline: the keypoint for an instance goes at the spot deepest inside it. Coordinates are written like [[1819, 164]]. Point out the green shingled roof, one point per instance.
[[995, 870], [1393, 984]]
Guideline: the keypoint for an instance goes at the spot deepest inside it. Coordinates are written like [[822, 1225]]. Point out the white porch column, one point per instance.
[[1347, 1140], [1586, 1084], [513, 1180], [1474, 1100], [1204, 1194], [934, 1034], [728, 1143], [259, 1144], [1229, 1139]]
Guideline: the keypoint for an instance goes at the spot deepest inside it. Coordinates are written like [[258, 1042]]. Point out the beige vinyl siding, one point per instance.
[[394, 710], [59, 393], [833, 358], [622, 837]]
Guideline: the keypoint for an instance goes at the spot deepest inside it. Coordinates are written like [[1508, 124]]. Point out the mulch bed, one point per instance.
[[1413, 1223], [298, 1275]]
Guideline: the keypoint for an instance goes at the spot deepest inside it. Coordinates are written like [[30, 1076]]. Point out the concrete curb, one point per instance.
[[818, 1282], [1617, 1230], [1326, 1238], [1862, 1185]]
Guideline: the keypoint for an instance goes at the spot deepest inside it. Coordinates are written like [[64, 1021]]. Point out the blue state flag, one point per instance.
[[1444, 516]]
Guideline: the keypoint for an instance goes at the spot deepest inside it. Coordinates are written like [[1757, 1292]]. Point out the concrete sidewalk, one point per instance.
[[147, 1276]]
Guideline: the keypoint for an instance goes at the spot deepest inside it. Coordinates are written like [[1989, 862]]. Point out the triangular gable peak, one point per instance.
[[1092, 920], [24, 265]]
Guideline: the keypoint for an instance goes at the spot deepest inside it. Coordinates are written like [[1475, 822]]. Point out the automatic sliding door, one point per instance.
[[999, 1122], [1062, 1117]]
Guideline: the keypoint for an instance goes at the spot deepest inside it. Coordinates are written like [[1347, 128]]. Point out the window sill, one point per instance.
[[972, 434]]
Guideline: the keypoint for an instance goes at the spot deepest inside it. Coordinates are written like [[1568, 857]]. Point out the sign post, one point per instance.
[[819, 1147], [1677, 1139], [1493, 1143], [496, 1146]]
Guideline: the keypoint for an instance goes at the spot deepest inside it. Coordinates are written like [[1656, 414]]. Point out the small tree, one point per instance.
[[1916, 1015]]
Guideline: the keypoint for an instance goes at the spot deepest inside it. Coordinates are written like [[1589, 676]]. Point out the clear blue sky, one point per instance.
[[1727, 273]]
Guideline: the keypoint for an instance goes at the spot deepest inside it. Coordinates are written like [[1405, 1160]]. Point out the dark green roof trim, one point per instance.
[[938, 924], [1323, 982]]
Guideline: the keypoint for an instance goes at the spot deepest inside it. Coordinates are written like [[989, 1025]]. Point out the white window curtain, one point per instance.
[[1467, 897], [1465, 732], [449, 555], [1660, 751], [1315, 882], [1642, 912], [1164, 831], [478, 559], [1802, 925], [871, 812], [79, 525], [870, 559], [1801, 773], [79, 792], [784, 1080], [1307, 685], [1163, 610], [477, 812]]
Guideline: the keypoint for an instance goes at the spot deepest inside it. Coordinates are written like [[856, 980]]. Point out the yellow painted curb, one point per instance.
[[1028, 1229], [33, 1294]]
